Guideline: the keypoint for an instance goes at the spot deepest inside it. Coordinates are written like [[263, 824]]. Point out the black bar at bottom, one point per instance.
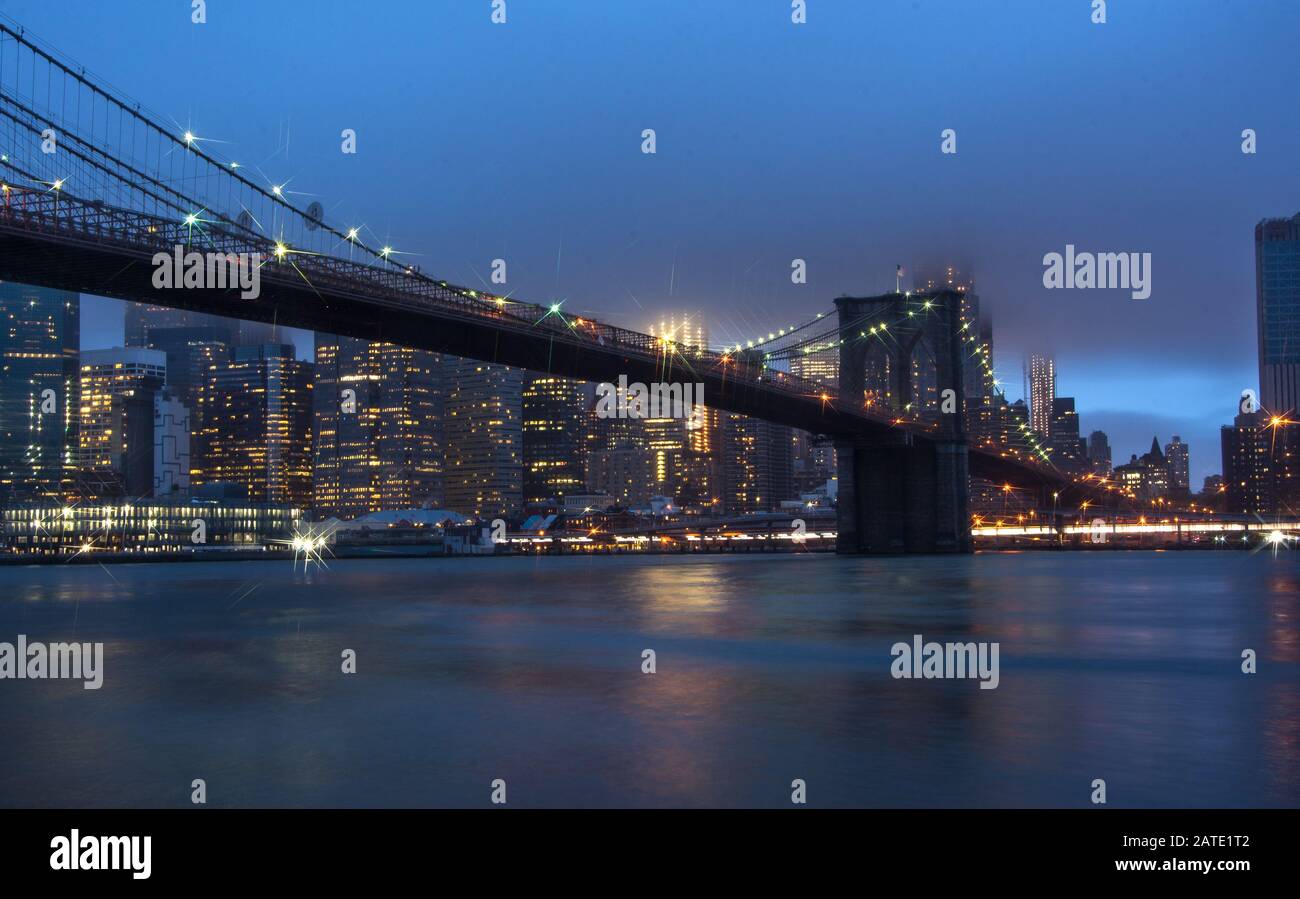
[[303, 847]]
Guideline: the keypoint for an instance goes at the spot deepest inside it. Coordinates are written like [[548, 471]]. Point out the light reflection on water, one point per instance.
[[1124, 666]]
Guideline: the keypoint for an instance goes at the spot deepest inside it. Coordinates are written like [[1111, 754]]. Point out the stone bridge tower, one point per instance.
[[902, 491]]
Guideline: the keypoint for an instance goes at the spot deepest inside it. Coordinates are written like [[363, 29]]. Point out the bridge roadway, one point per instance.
[[53, 239]]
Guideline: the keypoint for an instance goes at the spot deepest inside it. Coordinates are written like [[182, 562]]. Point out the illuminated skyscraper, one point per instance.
[[683, 459], [819, 364], [118, 391], [757, 464], [701, 486], [257, 425], [1277, 298], [687, 331], [1261, 466], [667, 444], [1042, 392], [484, 469], [190, 351], [1179, 475], [40, 340], [378, 427], [554, 411]]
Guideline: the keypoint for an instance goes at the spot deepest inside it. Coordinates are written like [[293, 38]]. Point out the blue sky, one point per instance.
[[775, 141]]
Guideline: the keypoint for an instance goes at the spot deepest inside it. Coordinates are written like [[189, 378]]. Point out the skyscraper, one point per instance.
[[483, 411], [679, 460], [687, 331], [190, 351], [257, 424], [1042, 392], [667, 441], [1277, 304], [116, 411], [757, 464], [554, 415], [141, 318], [1099, 454], [617, 462], [1068, 451], [1179, 473], [40, 340], [819, 364], [377, 411], [701, 487], [1261, 466]]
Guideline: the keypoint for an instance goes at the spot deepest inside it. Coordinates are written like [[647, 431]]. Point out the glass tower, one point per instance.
[[1277, 298], [40, 341]]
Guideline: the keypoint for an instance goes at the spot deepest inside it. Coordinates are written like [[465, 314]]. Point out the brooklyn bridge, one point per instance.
[[95, 188]]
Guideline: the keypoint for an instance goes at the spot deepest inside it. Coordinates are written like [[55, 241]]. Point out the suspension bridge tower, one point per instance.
[[906, 491]]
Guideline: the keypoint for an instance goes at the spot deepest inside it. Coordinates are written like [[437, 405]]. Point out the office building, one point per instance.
[[1099, 460], [378, 441], [190, 352], [142, 318], [1145, 476], [483, 422], [116, 410], [1179, 471], [40, 340], [1277, 306], [1261, 465], [818, 363], [554, 416], [1069, 452], [257, 425], [757, 465]]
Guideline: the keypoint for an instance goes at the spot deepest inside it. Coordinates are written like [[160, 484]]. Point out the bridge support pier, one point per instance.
[[901, 496]]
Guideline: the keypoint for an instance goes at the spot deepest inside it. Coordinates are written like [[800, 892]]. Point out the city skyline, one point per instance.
[[502, 404], [1171, 364], [917, 395]]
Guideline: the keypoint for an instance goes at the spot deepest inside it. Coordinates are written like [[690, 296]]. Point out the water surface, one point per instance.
[[1124, 666]]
